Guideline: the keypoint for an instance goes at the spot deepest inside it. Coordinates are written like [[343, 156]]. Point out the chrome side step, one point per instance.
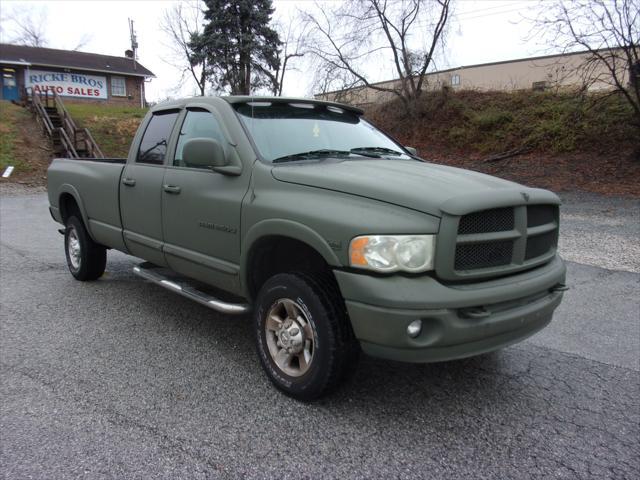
[[191, 293]]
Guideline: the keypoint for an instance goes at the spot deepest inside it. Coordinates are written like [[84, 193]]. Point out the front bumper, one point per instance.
[[511, 309]]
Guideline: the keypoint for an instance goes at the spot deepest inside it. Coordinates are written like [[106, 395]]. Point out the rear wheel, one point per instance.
[[85, 258], [303, 335]]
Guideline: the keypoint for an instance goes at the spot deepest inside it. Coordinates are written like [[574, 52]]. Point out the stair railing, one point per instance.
[[67, 144], [41, 114], [90, 145], [67, 133]]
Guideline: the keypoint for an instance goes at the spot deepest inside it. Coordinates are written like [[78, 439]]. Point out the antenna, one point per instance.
[[134, 43]]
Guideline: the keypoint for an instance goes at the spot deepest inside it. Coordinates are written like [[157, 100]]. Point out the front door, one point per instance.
[[9, 85], [141, 190], [201, 210]]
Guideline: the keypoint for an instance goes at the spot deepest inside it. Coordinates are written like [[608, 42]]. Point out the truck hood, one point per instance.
[[421, 186]]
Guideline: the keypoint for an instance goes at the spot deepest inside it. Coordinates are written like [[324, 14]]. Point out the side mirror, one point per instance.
[[412, 151], [203, 153]]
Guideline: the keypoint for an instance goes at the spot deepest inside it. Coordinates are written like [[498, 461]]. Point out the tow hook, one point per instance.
[[474, 312], [561, 287], [62, 231]]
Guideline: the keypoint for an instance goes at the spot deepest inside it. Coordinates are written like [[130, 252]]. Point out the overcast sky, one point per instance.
[[481, 31]]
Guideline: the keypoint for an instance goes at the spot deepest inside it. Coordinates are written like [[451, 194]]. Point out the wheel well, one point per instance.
[[68, 207], [276, 254]]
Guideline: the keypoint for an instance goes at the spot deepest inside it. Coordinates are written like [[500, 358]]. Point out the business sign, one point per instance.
[[66, 84]]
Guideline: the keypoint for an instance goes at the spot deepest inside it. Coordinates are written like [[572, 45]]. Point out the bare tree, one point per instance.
[[183, 23], [337, 82], [293, 35], [609, 30], [26, 26], [355, 34], [85, 38]]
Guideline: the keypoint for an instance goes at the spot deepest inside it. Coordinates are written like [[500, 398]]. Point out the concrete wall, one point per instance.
[[553, 72]]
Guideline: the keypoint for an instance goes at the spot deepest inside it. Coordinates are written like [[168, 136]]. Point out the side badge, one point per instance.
[[335, 244]]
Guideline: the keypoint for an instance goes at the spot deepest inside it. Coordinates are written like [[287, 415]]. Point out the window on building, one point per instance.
[[197, 124], [455, 80], [118, 87], [153, 146]]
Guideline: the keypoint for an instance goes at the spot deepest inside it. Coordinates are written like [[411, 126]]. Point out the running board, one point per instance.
[[191, 293]]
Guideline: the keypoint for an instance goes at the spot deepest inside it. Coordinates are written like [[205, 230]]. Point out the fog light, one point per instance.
[[414, 328]]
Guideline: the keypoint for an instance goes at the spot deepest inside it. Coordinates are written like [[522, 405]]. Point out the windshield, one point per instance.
[[290, 131]]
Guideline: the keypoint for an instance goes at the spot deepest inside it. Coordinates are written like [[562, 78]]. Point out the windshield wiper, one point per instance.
[[310, 154], [370, 150]]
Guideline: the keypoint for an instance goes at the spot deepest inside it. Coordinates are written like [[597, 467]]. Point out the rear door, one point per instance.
[[141, 189], [201, 209]]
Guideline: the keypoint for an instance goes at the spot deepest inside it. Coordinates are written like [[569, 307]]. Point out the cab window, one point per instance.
[[198, 123], [153, 147]]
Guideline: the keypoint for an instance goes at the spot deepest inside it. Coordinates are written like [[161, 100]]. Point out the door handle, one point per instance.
[[171, 189], [129, 182]]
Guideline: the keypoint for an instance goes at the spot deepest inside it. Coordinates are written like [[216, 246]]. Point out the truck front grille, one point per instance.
[[483, 255], [540, 244], [494, 220], [499, 241], [540, 215]]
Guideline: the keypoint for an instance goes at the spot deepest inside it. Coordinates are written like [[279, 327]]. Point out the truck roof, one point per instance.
[[233, 99]]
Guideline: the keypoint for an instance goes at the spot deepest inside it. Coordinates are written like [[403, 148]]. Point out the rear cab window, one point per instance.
[[153, 147]]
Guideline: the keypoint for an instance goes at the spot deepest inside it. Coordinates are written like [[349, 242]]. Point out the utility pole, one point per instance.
[[134, 43]]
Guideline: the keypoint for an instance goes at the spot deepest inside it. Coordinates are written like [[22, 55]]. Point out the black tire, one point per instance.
[[334, 348], [85, 258]]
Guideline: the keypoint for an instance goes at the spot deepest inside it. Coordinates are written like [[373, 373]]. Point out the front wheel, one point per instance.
[[303, 335], [85, 258]]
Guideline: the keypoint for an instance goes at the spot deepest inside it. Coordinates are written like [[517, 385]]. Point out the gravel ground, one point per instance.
[[11, 189], [601, 231], [120, 378]]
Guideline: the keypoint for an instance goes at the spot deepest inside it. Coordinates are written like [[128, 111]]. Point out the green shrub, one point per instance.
[[491, 119]]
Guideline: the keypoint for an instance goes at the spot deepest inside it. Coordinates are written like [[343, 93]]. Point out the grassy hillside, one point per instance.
[[558, 141], [10, 117], [113, 127], [23, 145], [491, 122], [563, 142]]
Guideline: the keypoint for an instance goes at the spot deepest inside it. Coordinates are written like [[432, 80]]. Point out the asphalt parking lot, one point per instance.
[[120, 378]]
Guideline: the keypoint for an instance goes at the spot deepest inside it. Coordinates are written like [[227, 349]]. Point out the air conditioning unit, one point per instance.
[[540, 86]]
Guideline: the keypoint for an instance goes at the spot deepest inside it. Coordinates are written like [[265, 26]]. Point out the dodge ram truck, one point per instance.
[[333, 236]]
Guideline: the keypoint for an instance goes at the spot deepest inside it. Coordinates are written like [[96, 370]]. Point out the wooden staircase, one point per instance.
[[68, 140]]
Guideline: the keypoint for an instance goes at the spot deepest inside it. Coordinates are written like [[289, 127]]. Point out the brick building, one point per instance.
[[76, 76]]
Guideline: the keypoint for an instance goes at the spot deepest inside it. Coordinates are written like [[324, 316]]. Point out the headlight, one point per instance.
[[392, 253]]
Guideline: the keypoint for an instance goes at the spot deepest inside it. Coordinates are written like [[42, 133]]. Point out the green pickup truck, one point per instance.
[[336, 237]]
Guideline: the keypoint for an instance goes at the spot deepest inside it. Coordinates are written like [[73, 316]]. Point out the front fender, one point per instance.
[[283, 228]]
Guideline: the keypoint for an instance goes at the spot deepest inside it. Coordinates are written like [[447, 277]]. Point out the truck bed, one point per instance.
[[96, 183]]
